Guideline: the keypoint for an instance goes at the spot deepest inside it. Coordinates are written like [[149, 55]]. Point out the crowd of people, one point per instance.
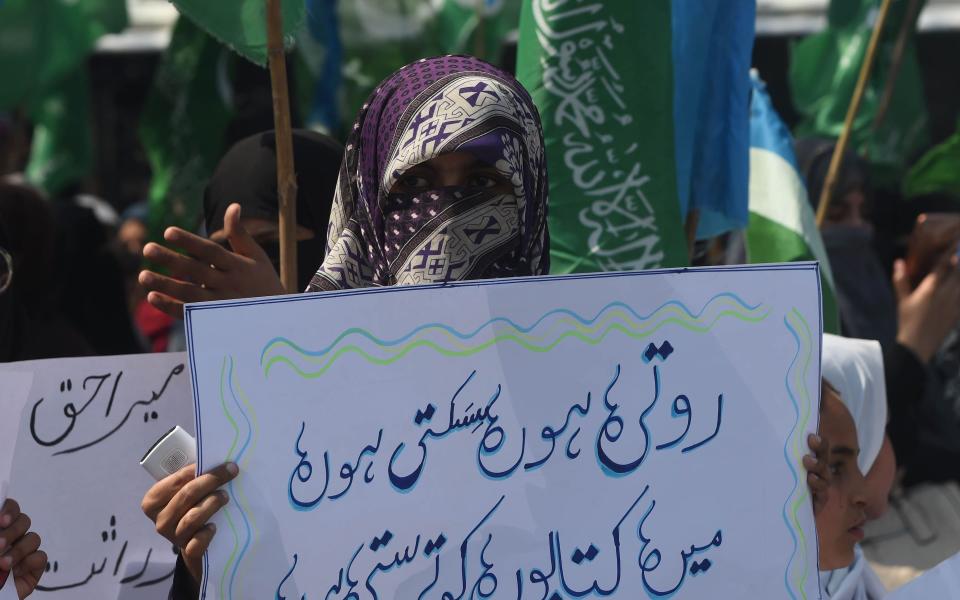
[[364, 209]]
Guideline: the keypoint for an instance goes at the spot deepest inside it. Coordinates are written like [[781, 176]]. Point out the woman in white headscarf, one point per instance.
[[855, 369]]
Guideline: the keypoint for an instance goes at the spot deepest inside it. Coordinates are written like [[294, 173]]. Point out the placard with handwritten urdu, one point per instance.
[[85, 423], [627, 435]]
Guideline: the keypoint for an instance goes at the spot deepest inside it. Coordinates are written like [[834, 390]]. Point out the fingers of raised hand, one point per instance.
[[9, 512], [199, 543], [34, 563], [31, 568], [237, 234], [816, 482], [206, 251], [23, 548], [181, 291], [193, 551], [185, 268], [16, 530], [196, 518], [166, 304], [819, 446], [189, 496], [160, 493], [817, 477]]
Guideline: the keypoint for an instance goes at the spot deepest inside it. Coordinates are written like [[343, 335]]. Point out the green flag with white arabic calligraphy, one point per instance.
[[601, 74]]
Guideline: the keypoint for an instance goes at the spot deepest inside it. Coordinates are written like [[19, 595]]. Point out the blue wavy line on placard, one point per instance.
[[467, 336], [786, 456], [230, 486]]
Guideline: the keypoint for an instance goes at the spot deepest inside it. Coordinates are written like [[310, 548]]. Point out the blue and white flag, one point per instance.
[[782, 226]]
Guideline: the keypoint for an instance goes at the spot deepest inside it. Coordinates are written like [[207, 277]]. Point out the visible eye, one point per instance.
[[486, 181], [836, 469], [414, 181]]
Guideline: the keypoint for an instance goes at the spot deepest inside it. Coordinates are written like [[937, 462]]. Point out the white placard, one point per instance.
[[14, 389], [86, 423], [631, 435]]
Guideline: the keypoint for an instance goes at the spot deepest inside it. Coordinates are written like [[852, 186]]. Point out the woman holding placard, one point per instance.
[[424, 195], [443, 179]]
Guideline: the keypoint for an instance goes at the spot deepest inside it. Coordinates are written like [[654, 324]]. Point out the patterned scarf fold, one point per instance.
[[426, 109]]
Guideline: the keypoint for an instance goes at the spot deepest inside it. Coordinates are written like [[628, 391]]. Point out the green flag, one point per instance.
[[42, 41], [937, 172], [379, 38], [44, 47], [602, 77], [824, 70], [242, 24], [61, 153], [183, 126], [477, 27]]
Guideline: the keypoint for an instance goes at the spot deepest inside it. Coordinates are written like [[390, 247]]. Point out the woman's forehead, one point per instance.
[[453, 161], [836, 422]]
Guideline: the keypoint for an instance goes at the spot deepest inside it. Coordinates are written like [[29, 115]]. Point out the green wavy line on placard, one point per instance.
[[800, 377], [233, 446], [242, 502], [588, 335]]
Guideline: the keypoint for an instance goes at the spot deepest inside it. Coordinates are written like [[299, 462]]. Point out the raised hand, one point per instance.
[[928, 313], [181, 504], [207, 270], [818, 471], [20, 554]]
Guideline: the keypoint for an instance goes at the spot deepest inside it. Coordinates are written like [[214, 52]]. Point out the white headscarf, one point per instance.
[[855, 369]]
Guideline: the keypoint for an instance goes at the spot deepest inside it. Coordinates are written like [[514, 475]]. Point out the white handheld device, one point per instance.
[[173, 451]]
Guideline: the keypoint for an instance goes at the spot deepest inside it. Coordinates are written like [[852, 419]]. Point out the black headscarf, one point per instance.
[[31, 324], [247, 175], [867, 306], [10, 317], [813, 160]]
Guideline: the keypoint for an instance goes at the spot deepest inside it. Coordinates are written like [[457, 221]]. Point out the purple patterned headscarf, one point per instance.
[[432, 107]]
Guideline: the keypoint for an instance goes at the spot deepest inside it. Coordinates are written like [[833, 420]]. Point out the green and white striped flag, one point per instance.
[[782, 225]]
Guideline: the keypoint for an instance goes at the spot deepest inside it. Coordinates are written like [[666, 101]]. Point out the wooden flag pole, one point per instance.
[[286, 177], [690, 231], [480, 32], [899, 49], [836, 161]]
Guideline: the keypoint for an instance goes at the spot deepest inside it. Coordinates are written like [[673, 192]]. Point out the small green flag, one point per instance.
[[42, 41], [242, 24], [183, 126], [602, 77], [379, 38], [477, 27], [937, 172], [824, 70]]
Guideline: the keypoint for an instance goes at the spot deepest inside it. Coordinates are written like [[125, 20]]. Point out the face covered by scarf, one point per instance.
[[247, 175], [427, 109]]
